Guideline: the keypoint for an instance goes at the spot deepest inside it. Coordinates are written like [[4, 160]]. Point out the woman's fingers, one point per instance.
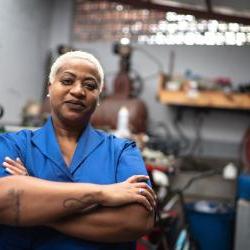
[[14, 167], [17, 163], [143, 189], [144, 201], [137, 178], [10, 171], [148, 195], [147, 187]]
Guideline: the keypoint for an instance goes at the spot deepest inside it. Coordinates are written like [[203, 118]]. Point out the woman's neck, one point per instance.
[[65, 130]]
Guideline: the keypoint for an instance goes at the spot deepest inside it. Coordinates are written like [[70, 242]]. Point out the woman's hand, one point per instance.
[[14, 167], [133, 190]]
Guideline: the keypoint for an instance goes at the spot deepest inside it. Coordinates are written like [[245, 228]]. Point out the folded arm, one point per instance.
[[103, 224], [28, 201], [119, 224]]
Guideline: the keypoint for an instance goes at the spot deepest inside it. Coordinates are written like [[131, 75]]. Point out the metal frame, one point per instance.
[[207, 13]]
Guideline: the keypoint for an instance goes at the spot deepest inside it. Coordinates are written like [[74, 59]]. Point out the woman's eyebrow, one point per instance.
[[87, 77], [68, 72], [90, 78]]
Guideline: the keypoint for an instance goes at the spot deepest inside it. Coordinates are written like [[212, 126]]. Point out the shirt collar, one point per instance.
[[45, 139]]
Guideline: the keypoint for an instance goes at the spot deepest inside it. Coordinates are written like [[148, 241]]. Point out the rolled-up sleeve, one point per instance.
[[130, 162]]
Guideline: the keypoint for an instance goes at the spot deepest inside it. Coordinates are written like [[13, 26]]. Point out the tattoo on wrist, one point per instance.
[[79, 203], [15, 196]]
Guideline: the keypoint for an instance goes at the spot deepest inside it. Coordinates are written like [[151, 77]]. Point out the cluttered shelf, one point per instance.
[[213, 99], [203, 98]]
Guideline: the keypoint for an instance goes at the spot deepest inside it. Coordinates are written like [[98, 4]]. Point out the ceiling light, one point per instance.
[[125, 41], [119, 7]]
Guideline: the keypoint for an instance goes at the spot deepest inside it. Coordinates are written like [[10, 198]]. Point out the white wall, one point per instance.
[[25, 34], [61, 22], [30, 30]]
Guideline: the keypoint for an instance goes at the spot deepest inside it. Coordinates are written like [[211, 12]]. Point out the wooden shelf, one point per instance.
[[210, 99]]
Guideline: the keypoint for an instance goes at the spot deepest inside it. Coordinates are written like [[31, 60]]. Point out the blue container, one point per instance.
[[243, 187], [212, 230]]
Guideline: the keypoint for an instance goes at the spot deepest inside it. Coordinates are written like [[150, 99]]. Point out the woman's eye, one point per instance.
[[66, 81], [90, 85]]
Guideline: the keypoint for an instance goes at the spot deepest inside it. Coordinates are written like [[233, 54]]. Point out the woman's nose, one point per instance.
[[77, 90]]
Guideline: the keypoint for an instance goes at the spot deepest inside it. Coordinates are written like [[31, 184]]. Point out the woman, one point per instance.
[[68, 149]]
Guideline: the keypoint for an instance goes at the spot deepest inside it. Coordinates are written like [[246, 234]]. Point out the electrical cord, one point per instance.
[[184, 141], [1, 111], [198, 122], [198, 177], [187, 147]]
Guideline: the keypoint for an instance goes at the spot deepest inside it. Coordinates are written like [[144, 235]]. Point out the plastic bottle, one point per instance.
[[123, 123], [230, 171]]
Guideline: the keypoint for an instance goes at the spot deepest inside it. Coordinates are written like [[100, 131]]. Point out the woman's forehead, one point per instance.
[[78, 64]]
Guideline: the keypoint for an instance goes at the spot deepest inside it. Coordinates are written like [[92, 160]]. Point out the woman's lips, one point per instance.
[[75, 105]]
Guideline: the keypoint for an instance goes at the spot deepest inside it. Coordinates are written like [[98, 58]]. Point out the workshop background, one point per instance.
[[164, 58]]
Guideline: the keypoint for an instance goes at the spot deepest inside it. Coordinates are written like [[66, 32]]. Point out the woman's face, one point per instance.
[[75, 91]]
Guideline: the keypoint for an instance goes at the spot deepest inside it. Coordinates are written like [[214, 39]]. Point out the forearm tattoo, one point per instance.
[[79, 203], [15, 197]]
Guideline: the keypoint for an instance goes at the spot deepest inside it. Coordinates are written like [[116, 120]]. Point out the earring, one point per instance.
[[48, 95], [98, 102]]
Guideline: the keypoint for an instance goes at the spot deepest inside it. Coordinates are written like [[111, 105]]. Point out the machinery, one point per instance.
[[126, 89]]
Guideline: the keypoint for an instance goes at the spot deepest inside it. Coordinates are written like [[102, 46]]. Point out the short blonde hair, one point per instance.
[[76, 54]]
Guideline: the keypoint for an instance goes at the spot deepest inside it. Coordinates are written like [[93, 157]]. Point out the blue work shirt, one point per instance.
[[99, 158]]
